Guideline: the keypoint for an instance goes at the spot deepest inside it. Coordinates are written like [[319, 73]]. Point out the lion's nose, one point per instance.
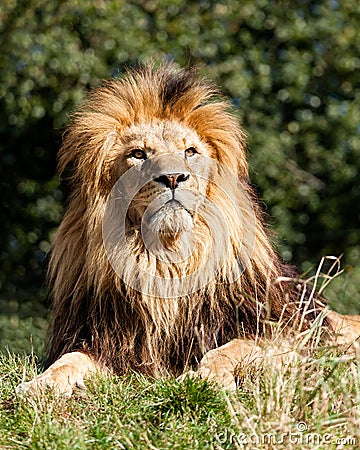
[[172, 180]]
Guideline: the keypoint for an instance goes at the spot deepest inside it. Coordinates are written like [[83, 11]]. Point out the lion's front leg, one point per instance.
[[221, 363], [63, 376]]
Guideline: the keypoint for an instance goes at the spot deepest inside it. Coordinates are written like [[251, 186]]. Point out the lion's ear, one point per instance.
[[232, 154], [103, 172], [86, 149]]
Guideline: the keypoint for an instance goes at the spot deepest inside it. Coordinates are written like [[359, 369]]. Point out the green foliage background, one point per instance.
[[291, 69]]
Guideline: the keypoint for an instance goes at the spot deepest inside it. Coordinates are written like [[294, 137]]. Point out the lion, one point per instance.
[[162, 263]]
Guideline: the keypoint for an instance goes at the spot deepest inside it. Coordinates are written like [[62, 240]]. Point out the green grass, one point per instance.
[[314, 403]]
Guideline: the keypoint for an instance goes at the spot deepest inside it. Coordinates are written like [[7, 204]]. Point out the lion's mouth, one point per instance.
[[176, 205], [172, 218]]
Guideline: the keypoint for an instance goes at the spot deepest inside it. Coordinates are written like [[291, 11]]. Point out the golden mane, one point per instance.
[[123, 328]]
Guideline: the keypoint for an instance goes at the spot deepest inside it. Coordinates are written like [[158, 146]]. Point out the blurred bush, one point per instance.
[[291, 69]]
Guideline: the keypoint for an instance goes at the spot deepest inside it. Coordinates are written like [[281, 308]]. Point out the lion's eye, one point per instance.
[[191, 151], [138, 154]]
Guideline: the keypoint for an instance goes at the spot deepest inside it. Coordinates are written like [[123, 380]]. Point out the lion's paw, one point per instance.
[[224, 378], [62, 377], [60, 383], [223, 364], [217, 367]]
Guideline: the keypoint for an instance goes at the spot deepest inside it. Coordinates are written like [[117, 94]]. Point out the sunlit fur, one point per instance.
[[93, 309]]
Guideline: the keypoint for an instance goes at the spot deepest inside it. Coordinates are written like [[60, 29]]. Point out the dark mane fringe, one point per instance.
[[117, 340], [94, 311]]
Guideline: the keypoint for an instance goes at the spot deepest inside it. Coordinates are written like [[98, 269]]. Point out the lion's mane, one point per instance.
[[92, 308]]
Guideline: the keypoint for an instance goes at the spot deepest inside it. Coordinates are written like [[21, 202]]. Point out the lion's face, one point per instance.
[[172, 161], [167, 223]]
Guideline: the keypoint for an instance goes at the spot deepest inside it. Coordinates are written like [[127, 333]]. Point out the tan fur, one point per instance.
[[121, 320]]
